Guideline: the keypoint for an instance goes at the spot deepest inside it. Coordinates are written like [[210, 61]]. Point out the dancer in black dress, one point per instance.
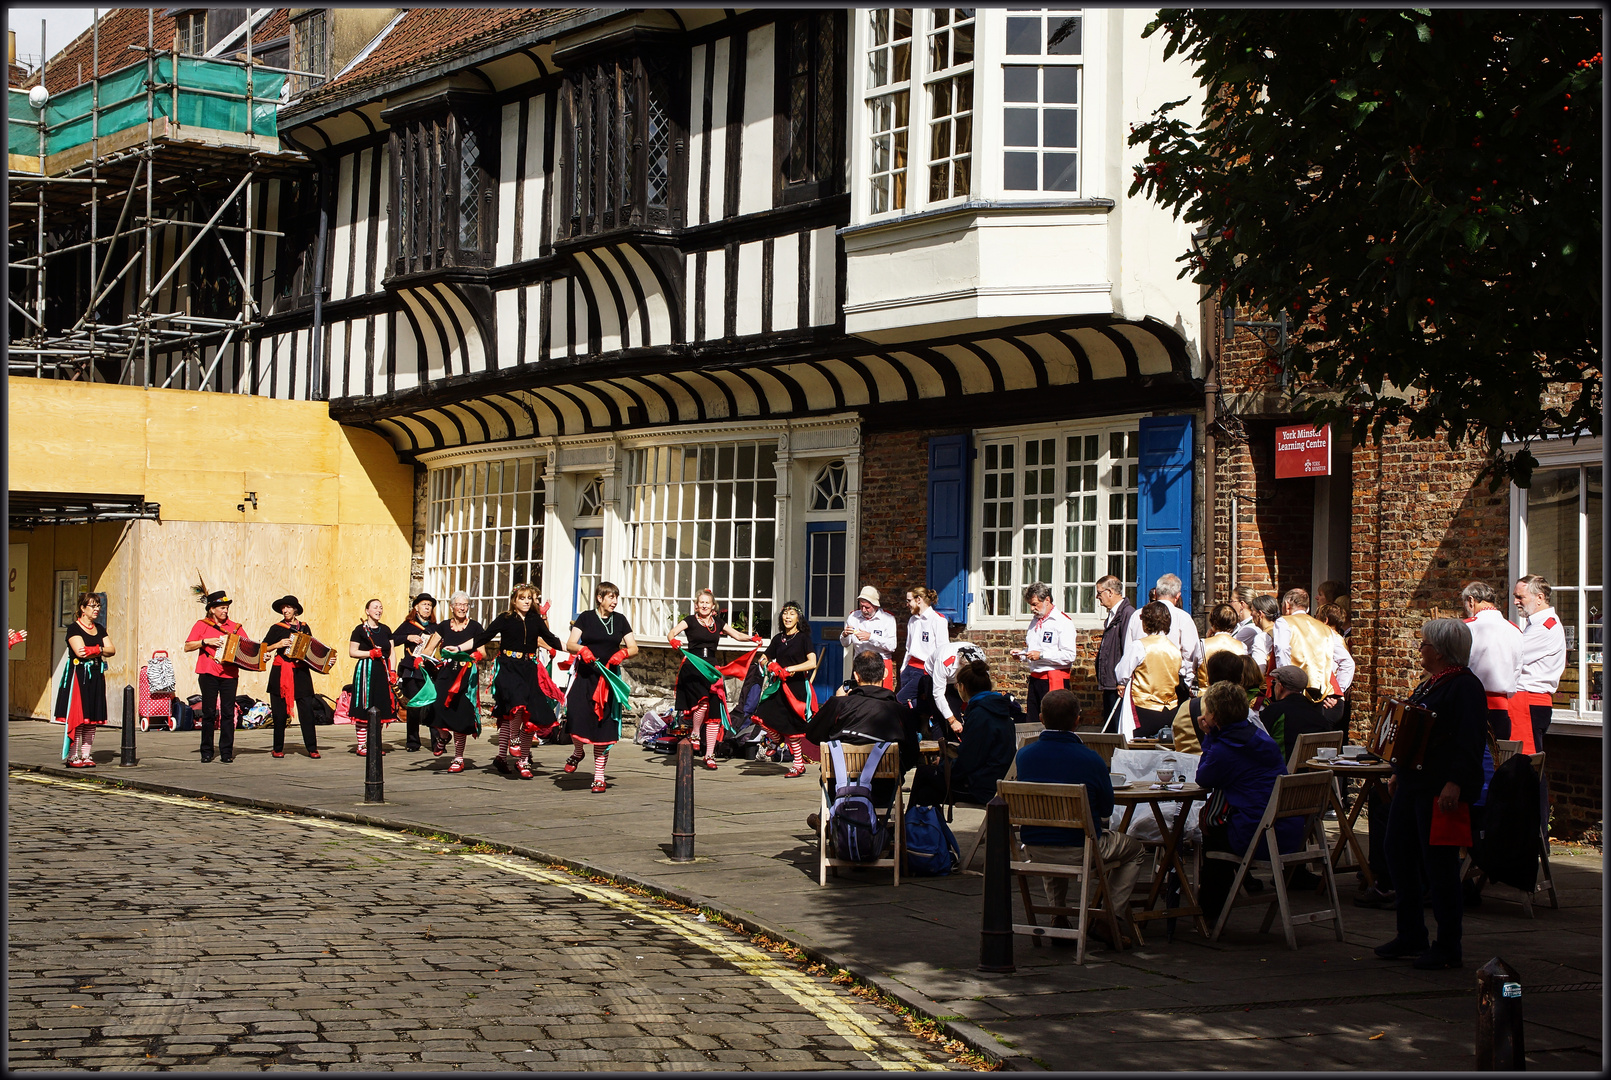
[[791, 662], [81, 696], [695, 694], [457, 683], [372, 677], [290, 684], [520, 699], [411, 636], [600, 638]]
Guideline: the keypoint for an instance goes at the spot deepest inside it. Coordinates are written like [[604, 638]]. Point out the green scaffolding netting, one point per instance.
[[123, 104]]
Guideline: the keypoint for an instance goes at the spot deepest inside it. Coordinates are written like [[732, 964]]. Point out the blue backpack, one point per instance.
[[931, 846], [859, 831]]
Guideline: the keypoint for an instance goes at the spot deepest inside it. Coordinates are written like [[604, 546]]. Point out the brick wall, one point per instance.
[[1274, 518], [1577, 785]]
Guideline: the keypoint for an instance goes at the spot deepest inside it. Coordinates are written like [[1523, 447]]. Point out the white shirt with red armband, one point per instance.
[[1495, 655]]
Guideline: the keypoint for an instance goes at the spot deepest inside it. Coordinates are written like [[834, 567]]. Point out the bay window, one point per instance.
[[443, 191], [1057, 505], [486, 532], [810, 104], [1557, 535], [1040, 102], [624, 145], [700, 516], [889, 104]]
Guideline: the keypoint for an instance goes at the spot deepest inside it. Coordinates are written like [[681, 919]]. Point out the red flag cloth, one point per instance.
[[740, 667], [458, 683], [546, 684], [1451, 829], [288, 689], [601, 698], [75, 701]]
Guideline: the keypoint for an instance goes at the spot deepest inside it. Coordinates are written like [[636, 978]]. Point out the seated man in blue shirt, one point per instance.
[[1059, 757]]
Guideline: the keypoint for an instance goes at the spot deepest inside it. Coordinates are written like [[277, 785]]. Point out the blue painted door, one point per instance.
[[825, 601], [948, 524], [1164, 529]]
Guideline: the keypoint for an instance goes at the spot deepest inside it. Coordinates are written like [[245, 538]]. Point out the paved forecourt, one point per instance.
[[1244, 1002], [166, 932]]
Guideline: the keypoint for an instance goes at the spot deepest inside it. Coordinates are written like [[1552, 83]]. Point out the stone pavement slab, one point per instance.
[[1244, 1002]]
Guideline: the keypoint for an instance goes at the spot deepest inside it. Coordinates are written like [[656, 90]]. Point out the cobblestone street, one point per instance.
[[154, 932]]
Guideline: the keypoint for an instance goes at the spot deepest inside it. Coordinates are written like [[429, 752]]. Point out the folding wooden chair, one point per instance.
[[977, 840], [1104, 743], [1305, 795], [1503, 750], [1309, 743], [889, 768], [1059, 806]]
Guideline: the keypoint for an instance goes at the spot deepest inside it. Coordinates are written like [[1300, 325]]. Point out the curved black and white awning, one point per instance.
[[1081, 366]]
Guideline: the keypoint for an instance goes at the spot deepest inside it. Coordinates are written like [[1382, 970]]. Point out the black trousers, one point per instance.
[[218, 707], [304, 717], [1409, 827], [1540, 716], [417, 716], [1499, 723], [1377, 807]]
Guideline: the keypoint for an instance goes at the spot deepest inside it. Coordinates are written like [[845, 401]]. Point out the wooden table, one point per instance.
[[1372, 774], [1142, 792]]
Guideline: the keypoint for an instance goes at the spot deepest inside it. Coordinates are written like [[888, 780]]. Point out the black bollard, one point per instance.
[[1499, 1019], [374, 785], [995, 936], [128, 726], [682, 814]]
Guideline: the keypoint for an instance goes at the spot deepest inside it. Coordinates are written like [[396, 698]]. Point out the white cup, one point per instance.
[[1353, 751], [1326, 753], [1119, 779]]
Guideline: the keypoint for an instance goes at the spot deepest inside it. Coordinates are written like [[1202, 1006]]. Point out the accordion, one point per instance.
[[242, 651], [1402, 734], [312, 652]]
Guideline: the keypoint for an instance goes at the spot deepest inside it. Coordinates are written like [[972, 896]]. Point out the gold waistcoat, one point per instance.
[[1152, 686], [1311, 650], [1217, 643]]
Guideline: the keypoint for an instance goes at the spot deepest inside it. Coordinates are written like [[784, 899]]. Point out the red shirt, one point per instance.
[[207, 662]]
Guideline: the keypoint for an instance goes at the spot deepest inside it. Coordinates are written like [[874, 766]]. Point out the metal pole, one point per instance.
[[39, 274], [995, 934], [95, 158], [682, 814], [1499, 1018], [128, 727], [374, 783], [150, 182]]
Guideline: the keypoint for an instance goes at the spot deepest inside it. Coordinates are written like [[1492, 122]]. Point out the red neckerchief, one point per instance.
[[1042, 618]]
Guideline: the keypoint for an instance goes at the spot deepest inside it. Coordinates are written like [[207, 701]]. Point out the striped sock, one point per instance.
[[713, 737], [797, 749], [600, 756], [579, 751], [459, 739], [525, 744], [503, 738], [87, 733]]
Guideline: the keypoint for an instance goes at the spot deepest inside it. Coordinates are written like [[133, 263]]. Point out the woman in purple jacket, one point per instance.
[[1242, 761]]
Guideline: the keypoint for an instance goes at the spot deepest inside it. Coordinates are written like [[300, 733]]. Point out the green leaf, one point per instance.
[[1378, 49], [1423, 31], [1347, 91], [1474, 233]]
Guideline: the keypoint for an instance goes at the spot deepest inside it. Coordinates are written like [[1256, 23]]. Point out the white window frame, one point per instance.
[[452, 536], [924, 31], [657, 592], [1555, 455], [891, 87], [1049, 17], [1102, 427]]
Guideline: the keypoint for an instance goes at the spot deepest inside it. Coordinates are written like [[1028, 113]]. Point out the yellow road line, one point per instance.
[[826, 1004]]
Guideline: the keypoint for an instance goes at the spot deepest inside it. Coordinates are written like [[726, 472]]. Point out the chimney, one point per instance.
[[11, 41]]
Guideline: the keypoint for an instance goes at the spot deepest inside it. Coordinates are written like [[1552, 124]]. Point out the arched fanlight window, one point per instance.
[[591, 502], [828, 490]]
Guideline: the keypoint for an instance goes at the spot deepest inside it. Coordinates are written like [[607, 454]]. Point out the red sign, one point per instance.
[[1302, 451]]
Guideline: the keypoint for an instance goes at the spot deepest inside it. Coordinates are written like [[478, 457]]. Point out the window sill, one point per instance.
[[1575, 724], [982, 206]]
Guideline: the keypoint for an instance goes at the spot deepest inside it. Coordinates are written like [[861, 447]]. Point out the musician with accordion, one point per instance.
[[290, 685], [1434, 742], [218, 676]]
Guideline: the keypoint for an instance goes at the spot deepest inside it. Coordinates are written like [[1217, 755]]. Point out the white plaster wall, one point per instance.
[[755, 175]]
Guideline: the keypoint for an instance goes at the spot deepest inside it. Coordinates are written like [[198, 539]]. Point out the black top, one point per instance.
[[1296, 715], [407, 629], [604, 644], [789, 650], [93, 637], [452, 638], [865, 714], [1111, 651], [378, 638], [1459, 735], [702, 642], [518, 633]]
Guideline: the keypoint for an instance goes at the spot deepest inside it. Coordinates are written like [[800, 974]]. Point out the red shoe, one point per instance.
[[710, 763], [313, 753], [798, 770], [277, 753], [571, 763], [81, 764], [598, 787], [457, 766], [361, 752], [525, 770]]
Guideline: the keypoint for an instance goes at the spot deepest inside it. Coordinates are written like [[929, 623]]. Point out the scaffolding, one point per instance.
[[172, 142]]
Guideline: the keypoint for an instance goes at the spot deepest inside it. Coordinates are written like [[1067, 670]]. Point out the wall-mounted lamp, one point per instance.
[[251, 497]]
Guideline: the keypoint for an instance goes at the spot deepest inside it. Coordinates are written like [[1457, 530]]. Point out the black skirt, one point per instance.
[[516, 685], [454, 709], [580, 712], [777, 715]]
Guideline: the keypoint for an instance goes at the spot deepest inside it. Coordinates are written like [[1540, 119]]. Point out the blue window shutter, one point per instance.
[[947, 572], [1164, 529]]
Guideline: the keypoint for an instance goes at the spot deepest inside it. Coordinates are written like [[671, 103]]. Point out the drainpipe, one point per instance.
[[1210, 446]]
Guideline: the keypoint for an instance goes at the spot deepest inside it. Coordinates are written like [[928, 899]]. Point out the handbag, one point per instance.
[[1216, 812]]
